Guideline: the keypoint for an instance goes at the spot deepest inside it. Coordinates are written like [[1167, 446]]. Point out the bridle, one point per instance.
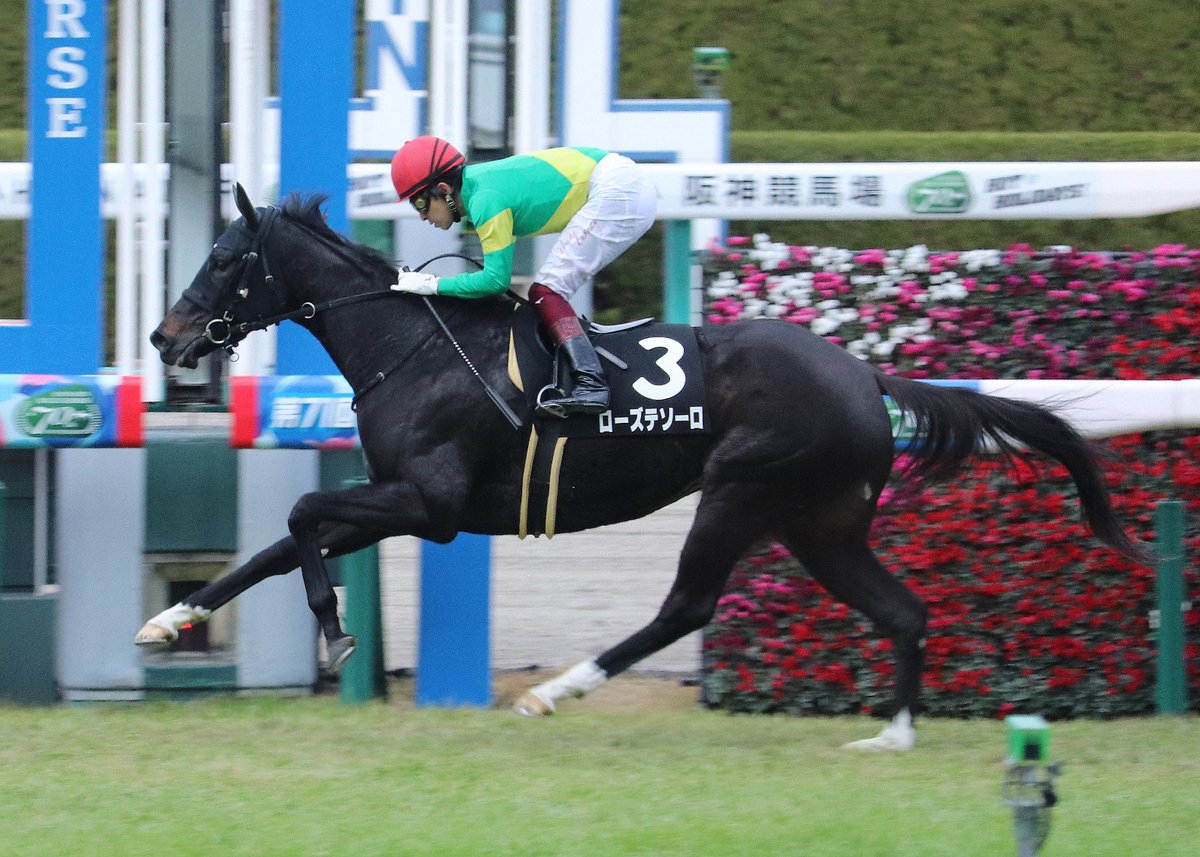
[[223, 333]]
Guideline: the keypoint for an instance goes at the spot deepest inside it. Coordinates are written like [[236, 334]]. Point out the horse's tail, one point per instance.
[[949, 423]]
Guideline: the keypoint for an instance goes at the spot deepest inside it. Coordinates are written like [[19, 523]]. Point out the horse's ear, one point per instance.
[[245, 206]]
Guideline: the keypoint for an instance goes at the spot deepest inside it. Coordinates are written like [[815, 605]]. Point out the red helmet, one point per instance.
[[423, 162]]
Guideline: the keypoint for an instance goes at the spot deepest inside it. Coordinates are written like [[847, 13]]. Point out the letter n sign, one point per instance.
[[63, 328]]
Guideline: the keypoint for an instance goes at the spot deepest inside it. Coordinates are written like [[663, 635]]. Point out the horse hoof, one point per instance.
[[155, 636], [882, 743], [340, 651], [532, 705]]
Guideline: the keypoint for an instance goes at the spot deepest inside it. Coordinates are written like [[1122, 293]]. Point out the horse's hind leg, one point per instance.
[[728, 521], [852, 574]]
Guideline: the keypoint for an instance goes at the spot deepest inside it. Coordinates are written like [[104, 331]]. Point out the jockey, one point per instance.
[[599, 202]]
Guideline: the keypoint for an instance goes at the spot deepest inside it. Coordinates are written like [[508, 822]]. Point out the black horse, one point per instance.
[[799, 445]]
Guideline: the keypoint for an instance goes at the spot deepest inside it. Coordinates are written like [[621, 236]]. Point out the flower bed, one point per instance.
[[1027, 611]]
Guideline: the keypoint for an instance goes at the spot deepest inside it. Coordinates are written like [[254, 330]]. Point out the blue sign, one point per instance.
[[316, 79], [292, 412], [63, 329]]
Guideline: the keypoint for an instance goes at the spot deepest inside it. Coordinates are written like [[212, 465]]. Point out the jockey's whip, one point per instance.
[[508, 412]]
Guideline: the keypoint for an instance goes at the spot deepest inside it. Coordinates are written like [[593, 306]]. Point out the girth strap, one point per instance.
[[539, 482]]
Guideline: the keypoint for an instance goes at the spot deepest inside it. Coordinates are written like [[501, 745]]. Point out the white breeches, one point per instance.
[[620, 208]]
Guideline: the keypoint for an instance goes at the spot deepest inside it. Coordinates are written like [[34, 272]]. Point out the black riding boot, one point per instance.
[[589, 389]]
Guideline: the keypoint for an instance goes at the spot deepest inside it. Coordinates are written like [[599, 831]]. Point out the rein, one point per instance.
[[309, 310]]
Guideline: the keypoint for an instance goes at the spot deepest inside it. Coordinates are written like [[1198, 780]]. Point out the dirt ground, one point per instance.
[[629, 692]]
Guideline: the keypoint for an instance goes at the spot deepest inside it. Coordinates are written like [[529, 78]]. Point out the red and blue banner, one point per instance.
[[292, 412], [62, 411]]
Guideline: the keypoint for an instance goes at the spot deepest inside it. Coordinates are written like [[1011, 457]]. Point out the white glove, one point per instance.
[[416, 283]]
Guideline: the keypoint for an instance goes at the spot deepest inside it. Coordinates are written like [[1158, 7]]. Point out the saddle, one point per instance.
[[656, 387]]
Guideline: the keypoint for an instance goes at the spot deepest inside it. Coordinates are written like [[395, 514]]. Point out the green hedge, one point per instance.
[[926, 65]]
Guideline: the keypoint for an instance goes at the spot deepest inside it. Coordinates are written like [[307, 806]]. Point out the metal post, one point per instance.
[[152, 105], [195, 103], [363, 678], [127, 332], [1170, 693], [677, 266], [3, 529]]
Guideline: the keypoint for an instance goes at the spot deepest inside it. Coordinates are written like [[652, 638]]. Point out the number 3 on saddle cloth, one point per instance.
[[655, 387]]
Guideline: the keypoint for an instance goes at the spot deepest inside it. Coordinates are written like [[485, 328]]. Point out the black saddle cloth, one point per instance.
[[653, 370]]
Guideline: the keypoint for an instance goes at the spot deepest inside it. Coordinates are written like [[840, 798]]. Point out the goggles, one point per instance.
[[420, 201]]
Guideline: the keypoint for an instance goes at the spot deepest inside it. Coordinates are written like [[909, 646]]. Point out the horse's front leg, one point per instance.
[[384, 509], [280, 558]]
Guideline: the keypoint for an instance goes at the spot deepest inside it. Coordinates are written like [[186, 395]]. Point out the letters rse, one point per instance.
[[64, 20]]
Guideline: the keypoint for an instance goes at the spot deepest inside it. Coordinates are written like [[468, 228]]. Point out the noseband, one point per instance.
[[221, 331]]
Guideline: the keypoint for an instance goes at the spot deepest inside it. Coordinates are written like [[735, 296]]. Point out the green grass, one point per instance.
[[312, 777]]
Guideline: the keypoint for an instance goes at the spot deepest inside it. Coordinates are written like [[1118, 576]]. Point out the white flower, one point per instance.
[[777, 291], [977, 260], [823, 325], [952, 292], [753, 308]]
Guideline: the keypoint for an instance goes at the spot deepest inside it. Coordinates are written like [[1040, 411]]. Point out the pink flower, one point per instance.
[[871, 257]]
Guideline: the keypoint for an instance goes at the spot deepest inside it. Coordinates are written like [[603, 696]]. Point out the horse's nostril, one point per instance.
[[158, 340]]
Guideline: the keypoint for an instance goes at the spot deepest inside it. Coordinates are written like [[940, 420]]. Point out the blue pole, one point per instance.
[[64, 279], [454, 654], [316, 79]]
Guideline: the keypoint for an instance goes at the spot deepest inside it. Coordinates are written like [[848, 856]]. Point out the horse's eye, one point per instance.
[[219, 260]]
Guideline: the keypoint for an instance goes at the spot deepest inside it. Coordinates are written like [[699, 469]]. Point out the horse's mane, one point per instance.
[[307, 212]]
